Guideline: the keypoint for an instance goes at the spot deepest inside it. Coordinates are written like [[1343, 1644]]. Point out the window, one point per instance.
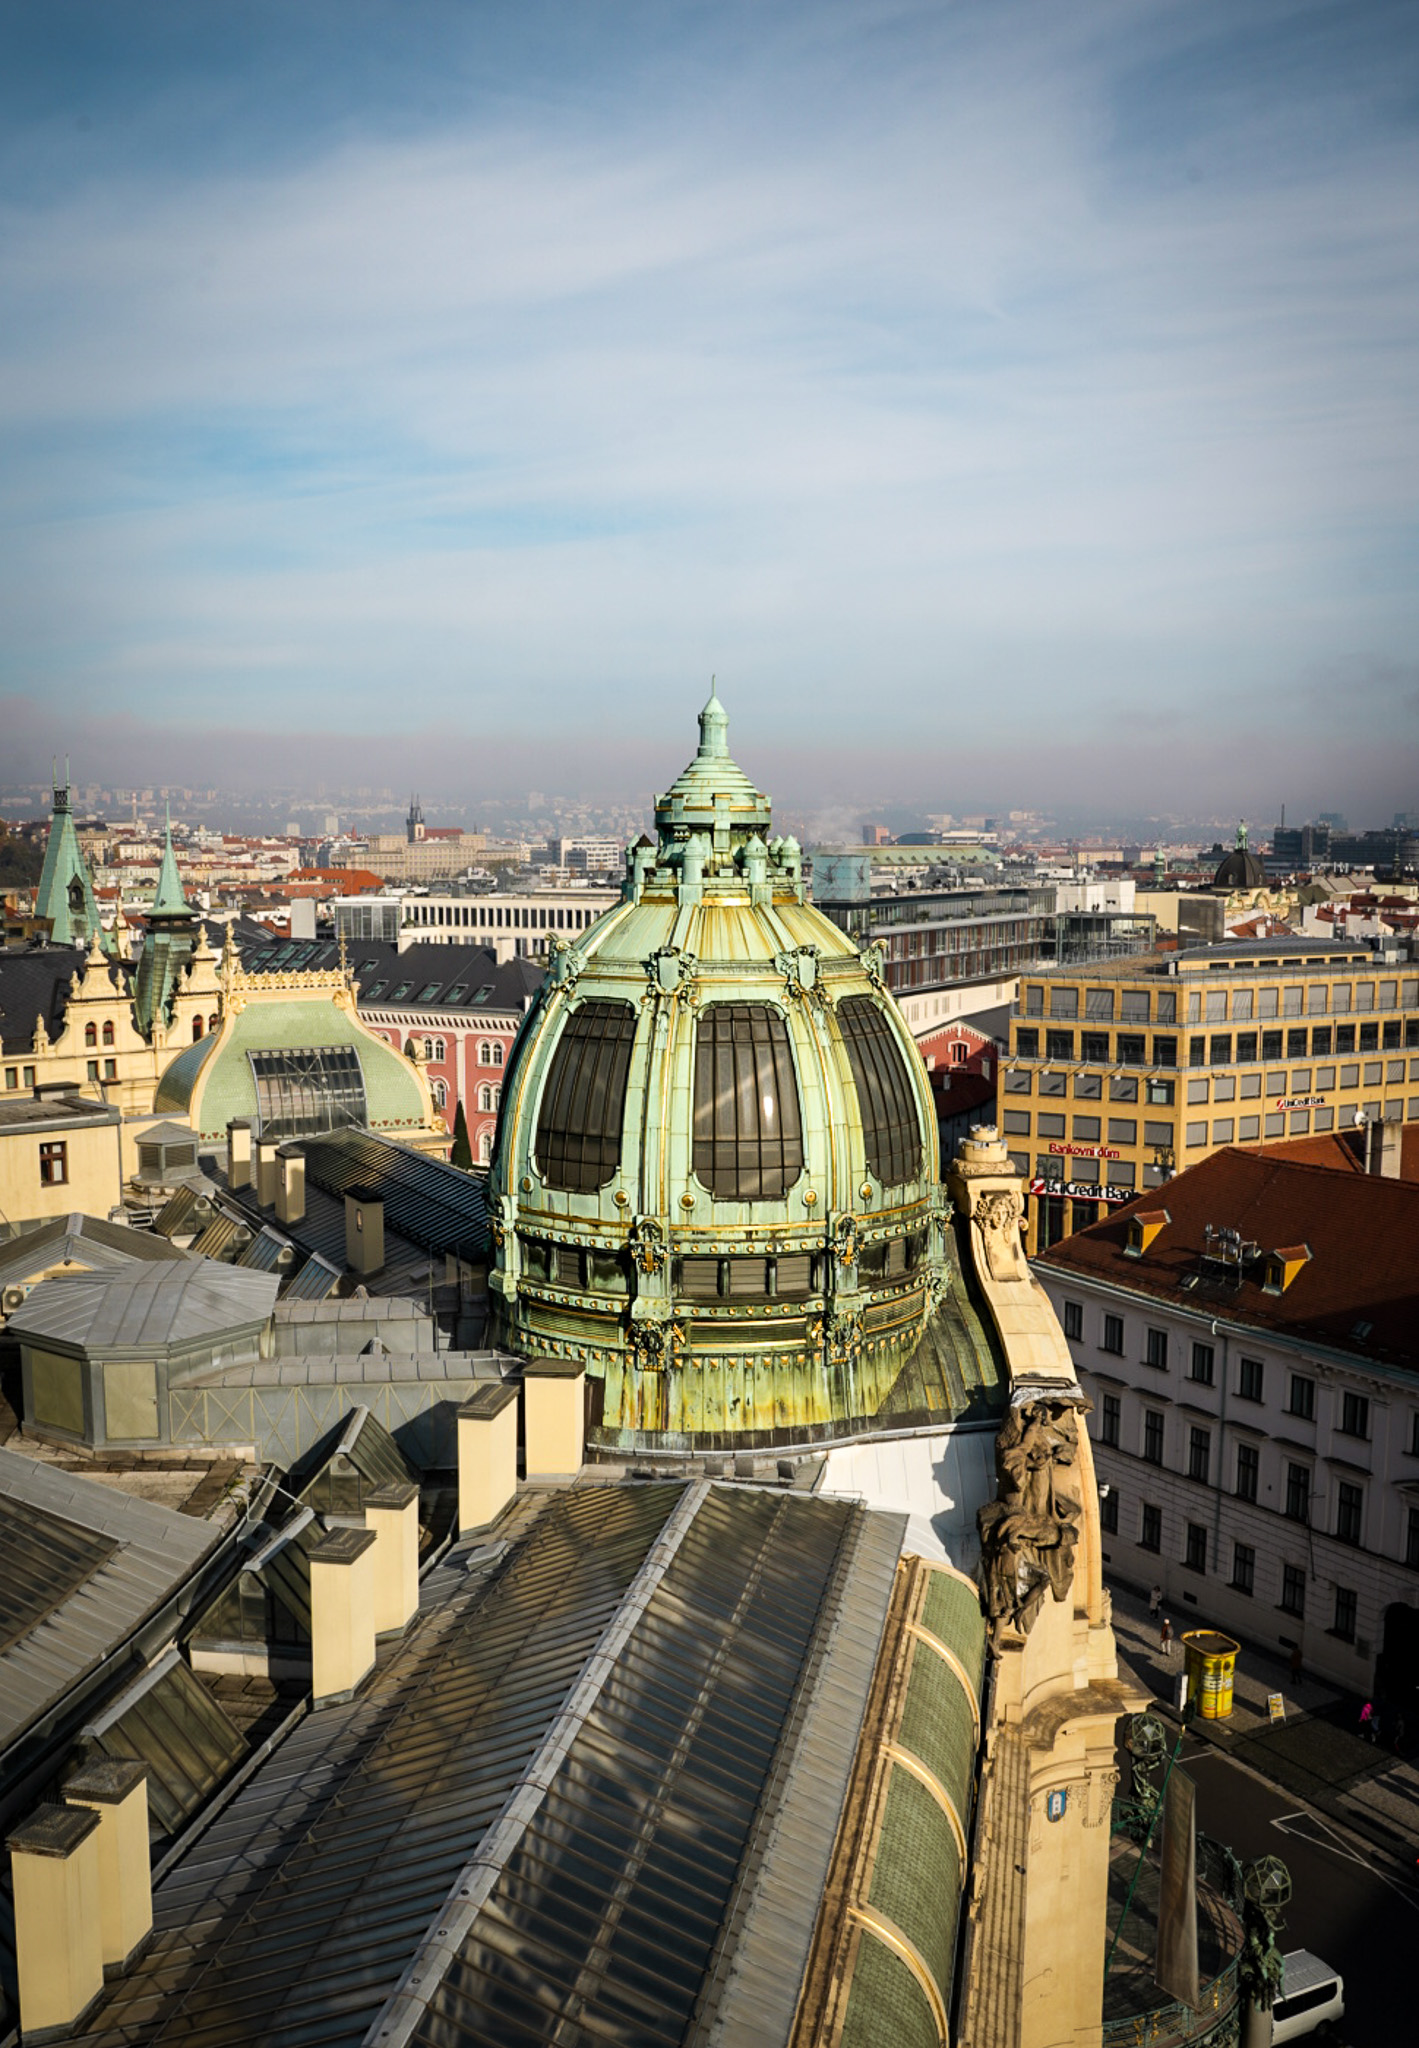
[[1296, 1045], [1073, 1320], [1219, 1049], [748, 1140], [1156, 1350], [1320, 1042], [1059, 1045], [1250, 1379], [485, 1054], [1152, 1437], [1123, 1130], [1086, 1130], [1199, 1454], [1195, 1550], [110, 1070], [1090, 1086], [12, 1077], [1369, 1038], [1027, 1042], [1301, 1400], [485, 1147], [578, 1145], [891, 1126], [1271, 1045], [1151, 1534], [1248, 1471], [1165, 1054], [308, 1090], [1110, 1415], [1355, 1415], [1246, 1048], [54, 1163], [440, 1094], [485, 1100], [1293, 1590], [91, 1034], [1345, 1041], [497, 1055], [1197, 1052], [1411, 1538], [1243, 1568], [1094, 1047], [1112, 1339], [1203, 1359], [1131, 1051], [1298, 1492], [1108, 1511], [1349, 1511], [108, 1031], [1344, 1614]]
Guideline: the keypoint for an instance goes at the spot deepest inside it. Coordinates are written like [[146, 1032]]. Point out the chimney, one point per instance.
[[290, 1186], [266, 1150], [393, 1513], [553, 1418], [239, 1152], [487, 1454], [116, 1789], [54, 1866], [342, 1579], [364, 1232], [1384, 1143]]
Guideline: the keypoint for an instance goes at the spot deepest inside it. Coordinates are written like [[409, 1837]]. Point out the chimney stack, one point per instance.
[[553, 1418], [342, 1589], [290, 1185], [266, 1149], [392, 1512], [487, 1454], [54, 1865], [239, 1152], [116, 1789], [364, 1232], [1383, 1145]]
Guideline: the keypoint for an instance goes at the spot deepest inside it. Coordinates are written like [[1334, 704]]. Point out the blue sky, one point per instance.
[[1010, 402]]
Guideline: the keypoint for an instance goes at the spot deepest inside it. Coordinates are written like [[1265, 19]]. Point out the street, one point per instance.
[[1365, 1924]]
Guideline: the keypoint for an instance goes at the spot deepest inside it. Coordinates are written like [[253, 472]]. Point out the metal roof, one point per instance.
[[144, 1306], [428, 976], [169, 1721], [427, 1202], [314, 1282], [150, 1551], [86, 1240], [35, 982], [602, 1754], [53, 1113]]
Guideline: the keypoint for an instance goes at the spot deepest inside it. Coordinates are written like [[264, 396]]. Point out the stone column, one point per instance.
[[116, 1789], [54, 1864], [487, 1454], [342, 1573], [392, 1512], [553, 1418]]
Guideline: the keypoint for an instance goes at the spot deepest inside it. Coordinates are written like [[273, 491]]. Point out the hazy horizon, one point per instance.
[[1014, 407]]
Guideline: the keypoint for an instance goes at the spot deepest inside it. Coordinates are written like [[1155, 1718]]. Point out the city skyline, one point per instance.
[[1011, 409]]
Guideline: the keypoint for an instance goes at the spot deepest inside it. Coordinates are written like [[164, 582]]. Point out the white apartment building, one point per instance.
[[514, 923], [1247, 1333]]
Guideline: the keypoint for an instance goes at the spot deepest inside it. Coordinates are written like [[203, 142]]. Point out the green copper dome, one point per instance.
[[716, 1181]]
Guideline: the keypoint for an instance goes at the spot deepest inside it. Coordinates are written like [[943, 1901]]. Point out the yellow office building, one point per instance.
[[1122, 1074]]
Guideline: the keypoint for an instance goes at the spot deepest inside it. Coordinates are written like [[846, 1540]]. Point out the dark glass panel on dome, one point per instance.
[[748, 1130], [891, 1125], [579, 1128], [304, 1092]]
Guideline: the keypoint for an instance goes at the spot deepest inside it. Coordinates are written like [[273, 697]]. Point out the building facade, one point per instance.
[[1246, 1338], [1123, 1074]]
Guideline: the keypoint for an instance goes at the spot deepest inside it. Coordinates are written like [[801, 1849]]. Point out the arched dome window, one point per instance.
[[748, 1129], [579, 1128], [891, 1128]]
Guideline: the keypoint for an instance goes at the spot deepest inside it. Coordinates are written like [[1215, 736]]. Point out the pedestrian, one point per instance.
[[1165, 1638], [1295, 1664], [1155, 1602], [1367, 1722]]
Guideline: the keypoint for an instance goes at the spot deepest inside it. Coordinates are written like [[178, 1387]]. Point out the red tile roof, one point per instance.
[[1359, 1290]]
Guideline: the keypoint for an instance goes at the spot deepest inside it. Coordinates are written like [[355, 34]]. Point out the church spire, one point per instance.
[[169, 900]]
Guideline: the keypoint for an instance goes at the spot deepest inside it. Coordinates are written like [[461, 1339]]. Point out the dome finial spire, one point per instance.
[[714, 726]]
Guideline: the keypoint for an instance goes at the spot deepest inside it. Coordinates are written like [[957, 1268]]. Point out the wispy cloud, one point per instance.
[[916, 369]]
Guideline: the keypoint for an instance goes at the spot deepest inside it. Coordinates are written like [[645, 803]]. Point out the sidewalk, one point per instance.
[[1314, 1753]]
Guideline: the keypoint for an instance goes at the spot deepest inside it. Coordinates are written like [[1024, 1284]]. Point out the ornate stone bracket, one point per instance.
[[873, 964], [566, 962], [802, 979], [997, 1217], [671, 972], [648, 1249]]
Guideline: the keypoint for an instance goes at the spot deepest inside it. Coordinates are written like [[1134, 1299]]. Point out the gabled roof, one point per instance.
[[124, 1557], [87, 1241], [1358, 1291], [34, 982], [145, 1307], [423, 977]]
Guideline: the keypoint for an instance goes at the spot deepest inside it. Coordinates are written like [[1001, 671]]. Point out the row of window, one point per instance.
[[500, 917], [1221, 1048], [1158, 1092], [1090, 1130], [1195, 1554], [1296, 1123], [1202, 1364], [91, 1034], [747, 1123], [1317, 997]]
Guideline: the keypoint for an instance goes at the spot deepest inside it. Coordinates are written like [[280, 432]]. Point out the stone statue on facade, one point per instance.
[[1030, 1531]]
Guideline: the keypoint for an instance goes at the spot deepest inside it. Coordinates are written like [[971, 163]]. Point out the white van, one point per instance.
[[1311, 1993]]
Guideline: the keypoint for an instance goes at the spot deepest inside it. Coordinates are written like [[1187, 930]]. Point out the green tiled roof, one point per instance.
[[886, 2004]]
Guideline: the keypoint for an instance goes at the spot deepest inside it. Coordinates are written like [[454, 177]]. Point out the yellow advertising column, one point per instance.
[[1211, 1661]]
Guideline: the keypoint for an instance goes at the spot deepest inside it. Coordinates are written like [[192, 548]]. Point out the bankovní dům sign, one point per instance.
[[1175, 1970]]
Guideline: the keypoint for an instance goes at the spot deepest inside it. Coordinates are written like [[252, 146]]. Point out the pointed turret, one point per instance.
[[173, 931], [66, 891]]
